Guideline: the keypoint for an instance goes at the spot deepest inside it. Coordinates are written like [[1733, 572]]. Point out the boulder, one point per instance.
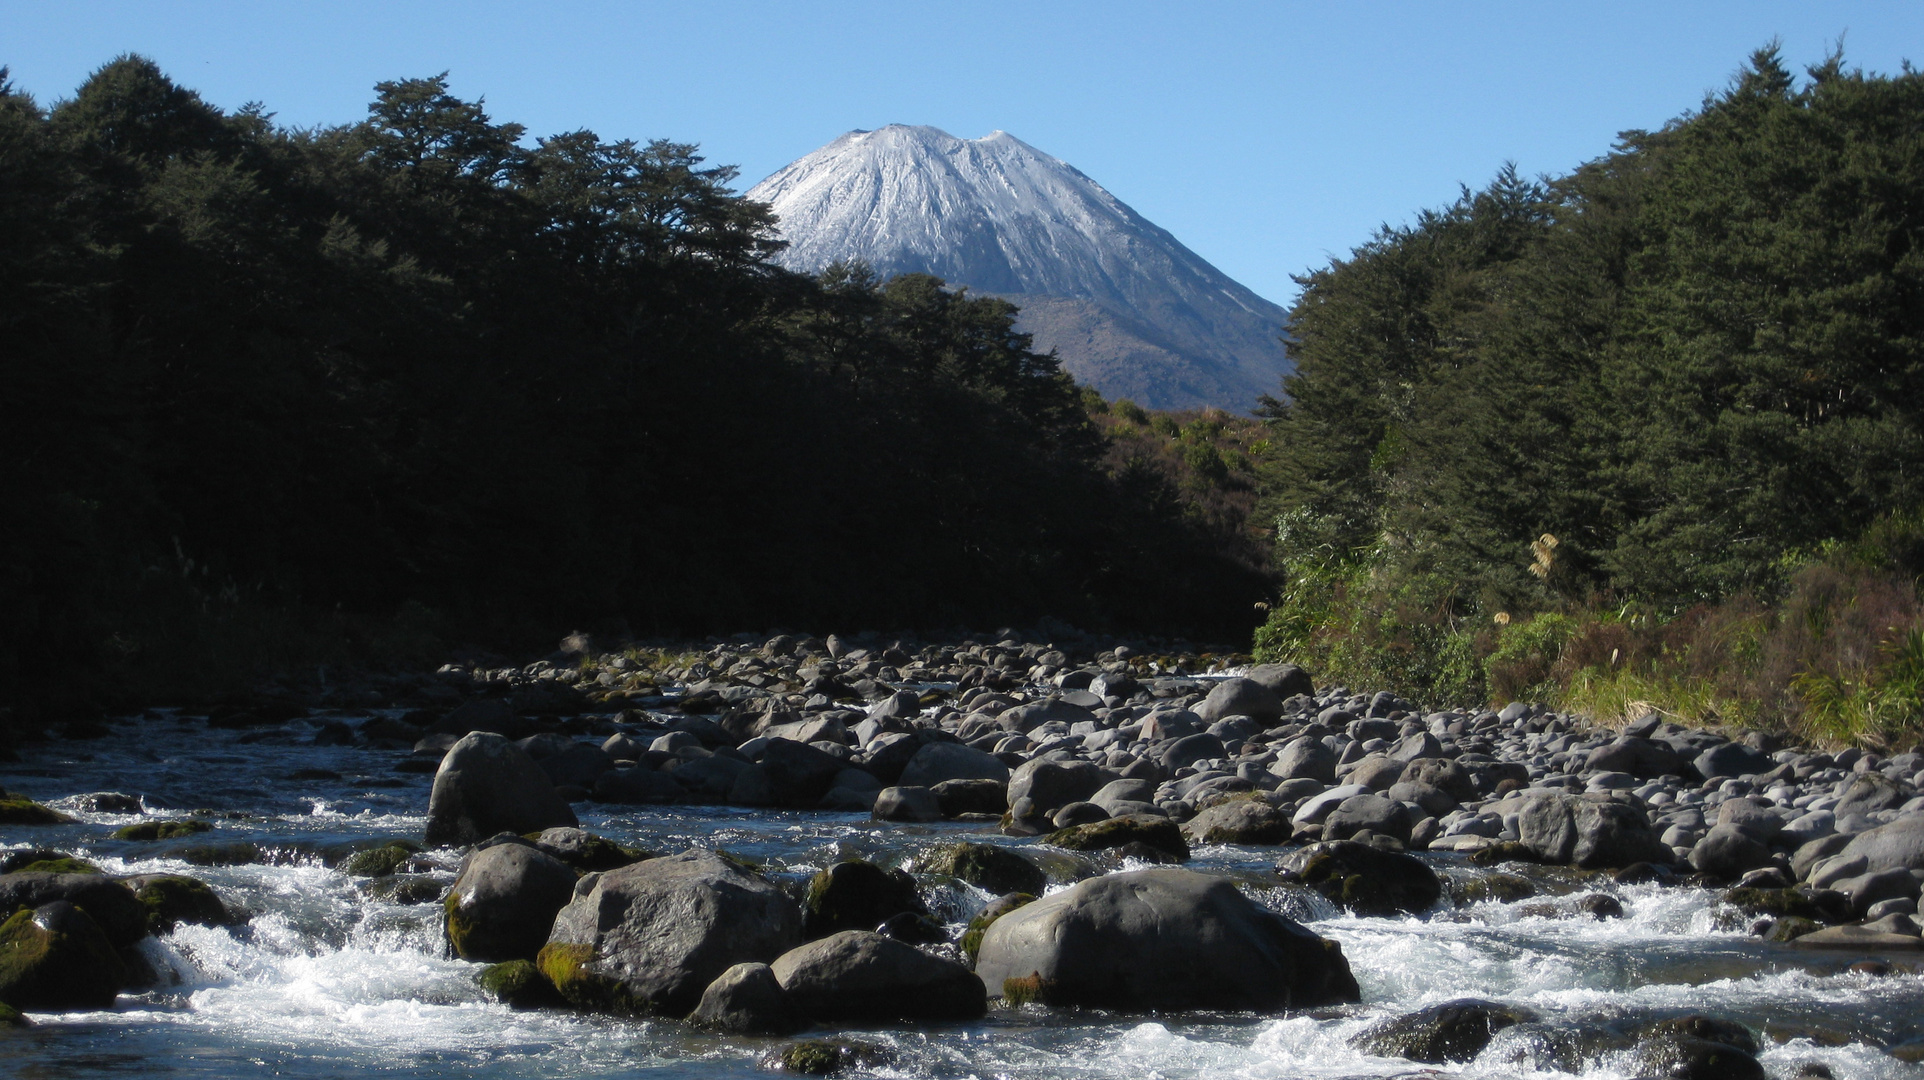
[[1896, 846], [1641, 758], [1026, 718], [1052, 785], [1366, 880], [1871, 792], [940, 761], [1158, 833], [856, 895], [1160, 939], [1727, 851], [1698, 1048], [798, 774], [995, 869], [487, 785], [172, 899], [957, 797], [863, 977], [746, 999], [1284, 680], [55, 958], [504, 902], [1188, 750], [1733, 759], [1244, 821], [1305, 758], [650, 937], [111, 905], [907, 804], [1589, 832], [585, 852], [1368, 813], [1240, 697], [1453, 1031]]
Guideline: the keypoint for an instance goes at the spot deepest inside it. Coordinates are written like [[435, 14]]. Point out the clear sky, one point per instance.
[[1266, 136]]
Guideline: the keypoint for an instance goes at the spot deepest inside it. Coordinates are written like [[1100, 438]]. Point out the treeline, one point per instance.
[[1612, 433], [277, 397]]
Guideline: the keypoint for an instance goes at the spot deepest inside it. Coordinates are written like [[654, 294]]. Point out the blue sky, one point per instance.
[[1267, 137]]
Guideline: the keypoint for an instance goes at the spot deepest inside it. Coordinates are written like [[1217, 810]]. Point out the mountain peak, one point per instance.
[[1126, 306]]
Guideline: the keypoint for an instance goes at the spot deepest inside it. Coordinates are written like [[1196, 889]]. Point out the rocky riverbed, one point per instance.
[[991, 857]]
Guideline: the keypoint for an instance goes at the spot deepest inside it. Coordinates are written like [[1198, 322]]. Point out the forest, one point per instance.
[[281, 398], [1640, 437]]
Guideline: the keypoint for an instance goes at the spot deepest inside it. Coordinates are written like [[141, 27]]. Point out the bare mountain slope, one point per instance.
[[1126, 306]]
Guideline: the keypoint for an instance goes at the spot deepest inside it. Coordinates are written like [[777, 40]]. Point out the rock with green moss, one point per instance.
[[24, 860], [109, 903], [380, 861], [987, 866], [20, 810], [1364, 879], [406, 889], [1000, 906], [826, 1057], [519, 984], [1790, 928], [856, 895], [66, 865], [172, 899], [1453, 1031], [650, 937], [1149, 830], [586, 852], [56, 958], [1493, 887], [10, 1017], [162, 830], [504, 903]]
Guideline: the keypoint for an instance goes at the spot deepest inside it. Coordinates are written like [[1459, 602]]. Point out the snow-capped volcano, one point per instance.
[[1125, 305]]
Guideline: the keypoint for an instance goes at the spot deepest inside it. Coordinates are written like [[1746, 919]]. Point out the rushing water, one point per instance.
[[333, 977]]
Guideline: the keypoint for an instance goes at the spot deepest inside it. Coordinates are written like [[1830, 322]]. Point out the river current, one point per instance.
[[337, 976]]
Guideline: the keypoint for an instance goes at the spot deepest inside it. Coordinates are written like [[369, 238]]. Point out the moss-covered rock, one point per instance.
[[826, 1057], [55, 958], [1022, 990], [520, 984], [856, 895], [405, 888], [64, 865], [566, 967], [10, 1017], [1790, 928], [986, 866], [25, 858], [172, 899], [1149, 830], [162, 830], [380, 861], [972, 937], [20, 810], [1494, 887]]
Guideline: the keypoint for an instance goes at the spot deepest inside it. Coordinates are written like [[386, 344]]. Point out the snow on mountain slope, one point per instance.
[[1127, 307]]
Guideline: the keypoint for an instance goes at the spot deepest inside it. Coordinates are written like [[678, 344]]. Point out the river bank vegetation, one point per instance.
[[1642, 436]]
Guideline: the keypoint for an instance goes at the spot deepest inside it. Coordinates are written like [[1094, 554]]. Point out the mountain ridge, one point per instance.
[[1126, 306]]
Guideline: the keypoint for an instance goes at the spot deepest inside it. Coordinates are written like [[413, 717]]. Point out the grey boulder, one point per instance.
[[1160, 939], [864, 977], [488, 785], [504, 902]]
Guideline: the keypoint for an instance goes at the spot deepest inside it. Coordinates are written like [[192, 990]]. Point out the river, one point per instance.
[[334, 977]]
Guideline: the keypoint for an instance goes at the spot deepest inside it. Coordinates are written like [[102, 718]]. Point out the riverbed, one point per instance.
[[338, 976]]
